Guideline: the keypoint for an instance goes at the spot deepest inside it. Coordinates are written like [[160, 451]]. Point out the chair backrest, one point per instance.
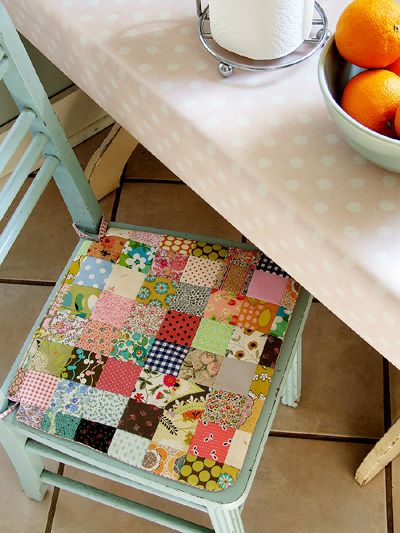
[[48, 141]]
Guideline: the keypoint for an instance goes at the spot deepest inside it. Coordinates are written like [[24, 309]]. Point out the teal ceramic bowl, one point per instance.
[[333, 74]]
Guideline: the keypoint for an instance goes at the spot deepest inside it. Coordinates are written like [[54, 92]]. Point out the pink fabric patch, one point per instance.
[[38, 389], [267, 287], [98, 337], [119, 376], [112, 309], [211, 441]]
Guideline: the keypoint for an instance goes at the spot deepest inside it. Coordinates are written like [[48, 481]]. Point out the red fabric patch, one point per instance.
[[211, 441], [179, 328], [119, 377]]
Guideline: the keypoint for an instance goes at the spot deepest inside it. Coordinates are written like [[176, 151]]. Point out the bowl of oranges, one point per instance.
[[359, 75]]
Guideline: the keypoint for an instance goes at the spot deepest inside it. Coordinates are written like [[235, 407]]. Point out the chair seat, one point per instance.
[[158, 350]]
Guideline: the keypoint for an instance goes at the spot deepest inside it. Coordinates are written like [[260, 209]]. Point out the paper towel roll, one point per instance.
[[261, 29]]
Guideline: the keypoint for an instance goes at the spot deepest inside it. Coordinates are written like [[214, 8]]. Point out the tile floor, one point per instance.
[[305, 480]]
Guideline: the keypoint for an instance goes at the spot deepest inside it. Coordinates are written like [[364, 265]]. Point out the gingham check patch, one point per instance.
[[38, 389], [166, 357], [267, 265]]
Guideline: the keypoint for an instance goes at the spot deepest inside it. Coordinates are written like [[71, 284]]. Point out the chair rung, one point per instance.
[[15, 136], [26, 205], [123, 504], [4, 66], [21, 172]]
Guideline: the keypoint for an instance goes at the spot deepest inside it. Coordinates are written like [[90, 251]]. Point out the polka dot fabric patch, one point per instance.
[[159, 351]]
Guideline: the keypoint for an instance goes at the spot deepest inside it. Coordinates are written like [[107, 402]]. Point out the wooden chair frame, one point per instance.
[[27, 447]]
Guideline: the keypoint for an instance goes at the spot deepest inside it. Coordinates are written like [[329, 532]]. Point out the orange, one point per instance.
[[397, 122], [394, 67], [372, 98], [368, 33]]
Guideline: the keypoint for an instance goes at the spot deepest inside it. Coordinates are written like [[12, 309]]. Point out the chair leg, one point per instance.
[[226, 520], [292, 391], [27, 466]]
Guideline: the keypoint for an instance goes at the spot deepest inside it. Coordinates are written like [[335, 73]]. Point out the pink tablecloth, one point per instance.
[[259, 148]]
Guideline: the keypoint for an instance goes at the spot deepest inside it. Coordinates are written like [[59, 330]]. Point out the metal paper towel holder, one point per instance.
[[228, 61]]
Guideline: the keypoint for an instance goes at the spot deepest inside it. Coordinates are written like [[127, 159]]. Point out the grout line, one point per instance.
[[387, 420], [35, 282], [153, 180], [324, 437], [53, 503]]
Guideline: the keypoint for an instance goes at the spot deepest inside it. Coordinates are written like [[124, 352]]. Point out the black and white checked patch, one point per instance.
[[267, 265], [166, 357]]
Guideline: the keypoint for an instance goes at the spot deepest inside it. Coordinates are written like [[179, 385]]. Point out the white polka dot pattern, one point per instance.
[[258, 149]]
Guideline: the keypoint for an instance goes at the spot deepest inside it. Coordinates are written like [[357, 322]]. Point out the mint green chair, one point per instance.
[[29, 432]]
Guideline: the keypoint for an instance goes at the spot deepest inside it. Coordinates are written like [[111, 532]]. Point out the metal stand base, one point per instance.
[[228, 61]]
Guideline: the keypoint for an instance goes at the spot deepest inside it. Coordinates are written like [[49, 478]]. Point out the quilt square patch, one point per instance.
[[246, 345], [238, 449], [235, 376], [152, 239], [112, 309], [166, 357], [177, 244], [190, 299], [168, 264], [60, 424], [157, 291], [137, 256], [132, 346], [128, 448], [261, 382], [211, 251], [80, 301], [245, 258], [267, 265], [75, 266], [95, 435], [145, 319], [154, 388], [212, 336], [175, 430], [84, 367], [291, 295], [68, 398], [178, 328], [204, 272], [223, 306], [256, 314], [38, 389], [104, 407], [281, 322], [227, 409], [237, 279], [163, 460], [200, 367], [124, 282], [48, 357], [271, 351], [98, 337], [267, 287], [119, 376], [93, 272], [140, 419], [188, 399], [199, 472], [211, 441], [65, 329], [30, 415], [108, 248]]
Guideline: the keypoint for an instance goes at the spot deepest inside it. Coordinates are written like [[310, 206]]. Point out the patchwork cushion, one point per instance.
[[159, 351]]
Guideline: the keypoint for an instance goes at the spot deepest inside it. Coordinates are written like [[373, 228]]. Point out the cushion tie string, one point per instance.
[[100, 235], [9, 410]]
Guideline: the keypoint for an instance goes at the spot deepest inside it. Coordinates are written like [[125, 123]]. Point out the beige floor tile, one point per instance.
[[144, 165], [19, 306], [342, 391], [30, 258], [174, 207], [302, 486]]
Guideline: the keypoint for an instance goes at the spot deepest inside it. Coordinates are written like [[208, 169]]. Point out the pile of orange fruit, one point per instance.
[[368, 35]]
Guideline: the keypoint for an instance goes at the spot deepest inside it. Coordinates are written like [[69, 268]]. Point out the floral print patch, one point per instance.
[[168, 264], [132, 346], [201, 367], [246, 345], [158, 291], [137, 256], [108, 248], [223, 306]]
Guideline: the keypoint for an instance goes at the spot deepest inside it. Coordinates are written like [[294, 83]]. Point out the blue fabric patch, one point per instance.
[[93, 272]]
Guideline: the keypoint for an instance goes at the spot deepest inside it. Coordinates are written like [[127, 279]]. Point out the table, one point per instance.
[[259, 148]]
